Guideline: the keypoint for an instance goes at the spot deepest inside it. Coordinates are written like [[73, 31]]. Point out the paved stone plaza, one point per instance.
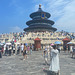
[[34, 65]]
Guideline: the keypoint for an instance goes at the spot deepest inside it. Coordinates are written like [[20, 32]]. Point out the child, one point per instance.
[[45, 54]]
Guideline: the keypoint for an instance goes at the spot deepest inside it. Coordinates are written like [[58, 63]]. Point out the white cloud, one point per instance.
[[15, 29], [55, 7], [62, 12], [67, 20]]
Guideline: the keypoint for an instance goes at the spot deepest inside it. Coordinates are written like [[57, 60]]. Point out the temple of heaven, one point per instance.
[[40, 22]]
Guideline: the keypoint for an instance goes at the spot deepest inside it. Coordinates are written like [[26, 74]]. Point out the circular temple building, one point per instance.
[[40, 22]]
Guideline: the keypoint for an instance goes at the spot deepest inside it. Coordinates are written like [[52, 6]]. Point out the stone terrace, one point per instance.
[[15, 65]]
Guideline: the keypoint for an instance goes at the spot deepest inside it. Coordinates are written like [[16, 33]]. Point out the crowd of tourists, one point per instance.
[[50, 50], [24, 50], [70, 48], [19, 36], [8, 50]]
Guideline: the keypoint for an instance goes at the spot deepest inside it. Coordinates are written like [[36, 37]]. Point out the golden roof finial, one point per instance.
[[39, 5]]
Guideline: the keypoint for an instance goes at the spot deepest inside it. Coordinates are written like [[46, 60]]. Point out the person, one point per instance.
[[50, 48], [24, 52], [31, 47], [0, 52], [6, 51], [14, 49], [46, 48], [58, 47], [65, 47], [28, 49], [45, 54], [54, 63], [4, 48], [10, 48], [73, 51], [68, 48], [22, 47], [18, 49]]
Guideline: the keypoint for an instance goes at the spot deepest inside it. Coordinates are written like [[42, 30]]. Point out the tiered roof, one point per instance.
[[40, 22]]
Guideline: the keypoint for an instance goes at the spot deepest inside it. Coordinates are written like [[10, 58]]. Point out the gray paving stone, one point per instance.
[[72, 73], [15, 65]]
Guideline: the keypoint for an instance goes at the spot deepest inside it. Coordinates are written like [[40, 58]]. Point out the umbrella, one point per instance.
[[52, 44], [57, 42], [21, 35], [8, 43], [17, 43], [26, 44], [69, 43], [1, 43]]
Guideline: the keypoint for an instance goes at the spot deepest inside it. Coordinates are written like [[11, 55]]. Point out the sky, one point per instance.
[[15, 13]]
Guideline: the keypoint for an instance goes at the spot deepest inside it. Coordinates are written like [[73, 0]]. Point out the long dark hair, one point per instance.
[[54, 46]]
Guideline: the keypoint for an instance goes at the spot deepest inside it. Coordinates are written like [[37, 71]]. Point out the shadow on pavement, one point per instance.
[[21, 58], [73, 57], [49, 72], [44, 64]]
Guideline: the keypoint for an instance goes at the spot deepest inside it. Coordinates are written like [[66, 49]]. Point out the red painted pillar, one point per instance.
[[37, 44]]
